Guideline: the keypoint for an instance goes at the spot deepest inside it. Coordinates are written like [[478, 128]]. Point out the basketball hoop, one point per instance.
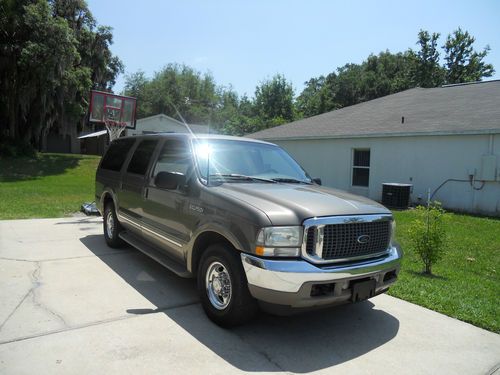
[[117, 112]]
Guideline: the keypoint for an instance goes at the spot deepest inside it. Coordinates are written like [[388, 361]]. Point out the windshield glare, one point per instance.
[[229, 157]]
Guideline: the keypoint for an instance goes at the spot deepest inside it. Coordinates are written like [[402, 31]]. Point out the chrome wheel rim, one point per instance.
[[110, 224], [218, 284]]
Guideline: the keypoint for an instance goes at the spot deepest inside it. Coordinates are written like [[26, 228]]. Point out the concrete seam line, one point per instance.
[[18, 260], [494, 369], [69, 258], [91, 324], [34, 284], [262, 353], [15, 309]]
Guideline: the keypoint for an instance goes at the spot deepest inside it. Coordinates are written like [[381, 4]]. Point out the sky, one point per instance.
[[242, 43]]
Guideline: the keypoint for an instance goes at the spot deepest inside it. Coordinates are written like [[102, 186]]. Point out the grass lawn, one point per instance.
[[50, 185], [466, 284]]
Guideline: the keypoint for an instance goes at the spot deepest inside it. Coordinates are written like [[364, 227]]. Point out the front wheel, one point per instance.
[[223, 288], [112, 227]]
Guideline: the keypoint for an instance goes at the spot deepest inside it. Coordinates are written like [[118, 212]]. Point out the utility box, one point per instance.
[[488, 168], [396, 195]]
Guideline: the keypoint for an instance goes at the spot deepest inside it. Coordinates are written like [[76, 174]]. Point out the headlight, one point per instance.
[[279, 241]]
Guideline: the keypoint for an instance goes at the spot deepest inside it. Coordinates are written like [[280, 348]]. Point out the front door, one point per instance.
[[167, 218]]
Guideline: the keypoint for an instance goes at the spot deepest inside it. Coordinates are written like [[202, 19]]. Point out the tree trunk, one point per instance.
[[12, 117], [428, 269]]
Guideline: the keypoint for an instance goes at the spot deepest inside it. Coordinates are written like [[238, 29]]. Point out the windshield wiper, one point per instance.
[[291, 180], [237, 176]]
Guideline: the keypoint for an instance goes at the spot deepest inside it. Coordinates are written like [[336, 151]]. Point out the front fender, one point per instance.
[[240, 244]]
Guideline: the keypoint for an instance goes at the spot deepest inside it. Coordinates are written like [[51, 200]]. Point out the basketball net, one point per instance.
[[115, 128]]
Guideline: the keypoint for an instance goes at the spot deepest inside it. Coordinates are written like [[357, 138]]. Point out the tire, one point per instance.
[[112, 227], [227, 305]]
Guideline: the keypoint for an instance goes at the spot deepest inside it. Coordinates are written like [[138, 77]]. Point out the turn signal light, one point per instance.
[[259, 250]]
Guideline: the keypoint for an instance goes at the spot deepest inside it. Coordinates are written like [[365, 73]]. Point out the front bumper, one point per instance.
[[295, 283]]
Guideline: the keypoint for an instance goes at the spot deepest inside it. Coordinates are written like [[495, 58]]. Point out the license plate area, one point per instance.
[[362, 290]]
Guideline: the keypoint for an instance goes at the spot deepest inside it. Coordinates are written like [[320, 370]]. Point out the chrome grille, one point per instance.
[[344, 238], [310, 241], [341, 240]]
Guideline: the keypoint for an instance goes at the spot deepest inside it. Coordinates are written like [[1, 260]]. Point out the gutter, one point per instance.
[[381, 135]]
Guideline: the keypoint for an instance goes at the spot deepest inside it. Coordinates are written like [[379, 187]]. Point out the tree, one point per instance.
[[175, 88], [389, 73], [463, 63], [427, 71], [52, 53], [39, 50], [310, 101], [384, 74], [274, 101], [136, 86], [427, 234], [379, 75]]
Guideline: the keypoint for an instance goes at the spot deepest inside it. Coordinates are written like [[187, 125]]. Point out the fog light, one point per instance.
[[318, 290]]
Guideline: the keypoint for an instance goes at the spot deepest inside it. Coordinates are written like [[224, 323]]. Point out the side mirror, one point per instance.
[[169, 180], [317, 181]]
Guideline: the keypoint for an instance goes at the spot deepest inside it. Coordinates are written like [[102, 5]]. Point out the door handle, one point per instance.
[[146, 191]]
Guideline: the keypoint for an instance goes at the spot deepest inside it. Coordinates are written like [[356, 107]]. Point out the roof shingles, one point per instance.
[[468, 108]]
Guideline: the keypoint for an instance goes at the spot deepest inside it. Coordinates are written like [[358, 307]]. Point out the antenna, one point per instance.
[[182, 119]]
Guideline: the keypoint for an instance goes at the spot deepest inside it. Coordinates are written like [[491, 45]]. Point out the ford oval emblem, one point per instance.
[[364, 238]]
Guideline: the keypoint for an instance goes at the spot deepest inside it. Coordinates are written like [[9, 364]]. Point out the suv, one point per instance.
[[245, 219]]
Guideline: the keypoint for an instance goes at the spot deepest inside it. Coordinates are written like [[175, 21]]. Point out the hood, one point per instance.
[[291, 204]]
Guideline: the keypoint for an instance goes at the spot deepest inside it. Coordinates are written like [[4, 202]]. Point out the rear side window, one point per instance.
[[142, 155], [116, 155]]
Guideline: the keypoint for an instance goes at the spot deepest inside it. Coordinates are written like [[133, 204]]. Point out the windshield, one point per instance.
[[235, 161]]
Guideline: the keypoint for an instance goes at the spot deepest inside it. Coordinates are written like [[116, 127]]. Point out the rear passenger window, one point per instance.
[[140, 160], [116, 155]]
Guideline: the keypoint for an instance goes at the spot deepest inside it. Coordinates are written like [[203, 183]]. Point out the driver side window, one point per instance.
[[174, 158]]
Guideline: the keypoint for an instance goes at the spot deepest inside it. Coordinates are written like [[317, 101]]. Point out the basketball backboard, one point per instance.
[[108, 107]]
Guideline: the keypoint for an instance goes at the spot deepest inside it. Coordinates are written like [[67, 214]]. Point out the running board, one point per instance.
[[155, 254]]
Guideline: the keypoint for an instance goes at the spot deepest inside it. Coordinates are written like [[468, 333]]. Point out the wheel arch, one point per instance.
[[204, 240], [107, 197]]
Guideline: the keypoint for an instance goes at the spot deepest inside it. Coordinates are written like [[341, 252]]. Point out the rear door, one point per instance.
[[131, 194], [108, 174], [167, 218]]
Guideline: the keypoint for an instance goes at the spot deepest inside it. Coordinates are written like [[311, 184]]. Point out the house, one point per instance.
[[444, 141], [162, 123]]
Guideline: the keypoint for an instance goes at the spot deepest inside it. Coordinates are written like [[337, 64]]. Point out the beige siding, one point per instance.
[[424, 161]]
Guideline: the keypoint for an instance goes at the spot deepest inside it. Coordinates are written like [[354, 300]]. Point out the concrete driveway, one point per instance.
[[70, 304]]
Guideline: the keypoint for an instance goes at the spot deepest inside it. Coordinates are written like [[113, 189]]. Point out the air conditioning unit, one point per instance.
[[396, 195]]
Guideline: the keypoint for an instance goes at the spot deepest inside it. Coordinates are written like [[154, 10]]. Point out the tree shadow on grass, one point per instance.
[[23, 169]]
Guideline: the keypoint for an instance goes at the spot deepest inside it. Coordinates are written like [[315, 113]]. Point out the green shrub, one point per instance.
[[15, 148], [427, 234]]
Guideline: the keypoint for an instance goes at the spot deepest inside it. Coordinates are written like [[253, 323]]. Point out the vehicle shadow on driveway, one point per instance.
[[301, 343]]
